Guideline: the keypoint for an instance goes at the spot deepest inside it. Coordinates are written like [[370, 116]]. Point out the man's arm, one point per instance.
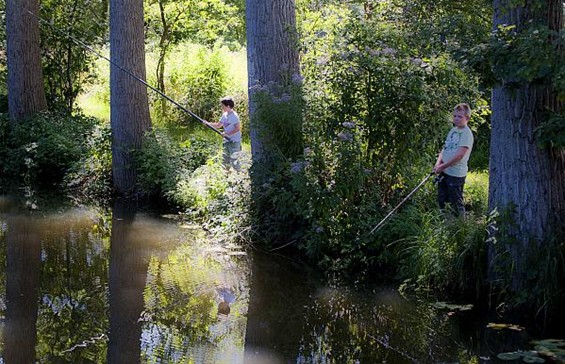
[[439, 160], [236, 129], [443, 165], [215, 125]]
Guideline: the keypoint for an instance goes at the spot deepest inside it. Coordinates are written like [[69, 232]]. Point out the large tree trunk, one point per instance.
[[26, 93], [527, 182], [128, 97], [272, 56]]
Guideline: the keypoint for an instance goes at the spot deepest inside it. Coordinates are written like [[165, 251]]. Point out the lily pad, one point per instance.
[[495, 326], [513, 355], [550, 343], [533, 359], [452, 307], [544, 351]]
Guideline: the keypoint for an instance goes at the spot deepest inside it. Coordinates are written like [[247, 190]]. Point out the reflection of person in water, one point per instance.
[[226, 296], [224, 308]]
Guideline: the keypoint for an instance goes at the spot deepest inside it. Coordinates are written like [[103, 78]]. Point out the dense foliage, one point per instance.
[[66, 27], [3, 70], [43, 149], [377, 109], [353, 133]]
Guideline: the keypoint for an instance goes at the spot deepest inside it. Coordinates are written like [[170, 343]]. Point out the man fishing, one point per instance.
[[451, 165], [232, 133]]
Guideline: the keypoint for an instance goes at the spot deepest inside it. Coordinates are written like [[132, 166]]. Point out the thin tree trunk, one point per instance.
[[163, 48], [26, 93], [128, 97]]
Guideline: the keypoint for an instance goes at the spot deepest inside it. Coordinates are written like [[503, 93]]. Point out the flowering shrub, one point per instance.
[[278, 116], [376, 112]]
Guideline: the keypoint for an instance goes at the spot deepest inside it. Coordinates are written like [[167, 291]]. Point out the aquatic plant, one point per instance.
[[552, 349]]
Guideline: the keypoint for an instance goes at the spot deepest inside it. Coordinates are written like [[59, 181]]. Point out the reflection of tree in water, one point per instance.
[[60, 273], [22, 279], [72, 318], [344, 326], [129, 260], [73, 260]]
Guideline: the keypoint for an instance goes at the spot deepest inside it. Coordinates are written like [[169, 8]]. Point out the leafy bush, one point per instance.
[[197, 191], [3, 85], [43, 148], [376, 115], [163, 162], [68, 66], [197, 79], [90, 178]]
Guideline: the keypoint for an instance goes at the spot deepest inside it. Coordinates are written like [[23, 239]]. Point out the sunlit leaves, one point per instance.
[[68, 65], [198, 21]]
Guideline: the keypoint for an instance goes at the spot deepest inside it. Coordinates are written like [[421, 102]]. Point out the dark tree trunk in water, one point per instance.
[[128, 97], [527, 182], [276, 316], [26, 94], [22, 281], [128, 273], [272, 56]]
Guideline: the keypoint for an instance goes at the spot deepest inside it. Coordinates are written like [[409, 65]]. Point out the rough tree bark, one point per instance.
[[527, 182], [26, 93], [272, 56], [129, 103]]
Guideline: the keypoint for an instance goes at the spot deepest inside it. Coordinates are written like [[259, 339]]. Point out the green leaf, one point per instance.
[[510, 355]]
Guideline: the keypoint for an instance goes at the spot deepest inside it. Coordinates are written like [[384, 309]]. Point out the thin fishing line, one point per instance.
[[382, 222], [87, 47]]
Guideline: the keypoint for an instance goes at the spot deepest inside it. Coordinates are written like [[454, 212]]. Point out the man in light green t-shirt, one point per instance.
[[452, 161]]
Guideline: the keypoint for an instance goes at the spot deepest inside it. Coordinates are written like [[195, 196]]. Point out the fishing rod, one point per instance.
[[381, 224], [160, 93]]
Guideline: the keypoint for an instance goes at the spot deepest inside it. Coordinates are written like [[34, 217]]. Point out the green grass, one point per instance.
[[93, 106]]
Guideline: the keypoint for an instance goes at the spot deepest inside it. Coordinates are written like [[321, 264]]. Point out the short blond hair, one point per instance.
[[463, 107]]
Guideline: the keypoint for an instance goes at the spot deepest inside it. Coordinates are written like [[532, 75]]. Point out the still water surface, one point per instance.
[[82, 286]]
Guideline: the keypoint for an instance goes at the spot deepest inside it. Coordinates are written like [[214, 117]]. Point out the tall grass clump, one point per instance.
[[445, 253], [448, 256]]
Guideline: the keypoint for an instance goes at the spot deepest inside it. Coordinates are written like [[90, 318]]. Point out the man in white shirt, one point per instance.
[[232, 133], [452, 161]]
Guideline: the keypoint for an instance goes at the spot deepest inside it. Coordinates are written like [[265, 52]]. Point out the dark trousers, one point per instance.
[[450, 194]]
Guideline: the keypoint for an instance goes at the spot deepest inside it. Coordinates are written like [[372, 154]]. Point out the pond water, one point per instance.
[[81, 286]]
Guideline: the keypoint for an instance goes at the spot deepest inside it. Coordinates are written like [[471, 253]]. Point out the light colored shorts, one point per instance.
[[231, 154]]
